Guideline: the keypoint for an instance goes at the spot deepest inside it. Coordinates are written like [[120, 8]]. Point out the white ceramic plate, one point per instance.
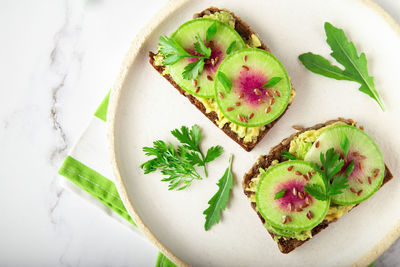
[[145, 107]]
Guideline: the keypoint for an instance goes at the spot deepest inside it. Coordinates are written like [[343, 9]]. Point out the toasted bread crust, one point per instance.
[[265, 161], [245, 32]]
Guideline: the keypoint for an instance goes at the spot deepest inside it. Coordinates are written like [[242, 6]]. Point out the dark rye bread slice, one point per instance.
[[265, 161], [245, 32]]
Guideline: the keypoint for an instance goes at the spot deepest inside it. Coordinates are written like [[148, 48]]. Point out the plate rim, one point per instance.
[[130, 56]]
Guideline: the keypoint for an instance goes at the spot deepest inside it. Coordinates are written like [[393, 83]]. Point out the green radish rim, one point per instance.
[[219, 23], [286, 79], [317, 220]]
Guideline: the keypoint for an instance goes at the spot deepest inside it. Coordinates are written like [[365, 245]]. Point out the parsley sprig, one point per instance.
[[174, 52], [178, 164], [334, 180], [219, 200], [344, 51]]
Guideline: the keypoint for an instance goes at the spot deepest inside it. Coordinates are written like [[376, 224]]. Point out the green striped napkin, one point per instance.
[[87, 169]]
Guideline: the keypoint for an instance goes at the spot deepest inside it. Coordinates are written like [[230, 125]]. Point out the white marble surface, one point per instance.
[[58, 60]]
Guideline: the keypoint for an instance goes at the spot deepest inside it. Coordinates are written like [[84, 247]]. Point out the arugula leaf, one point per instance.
[[280, 193], [201, 48], [322, 66], [219, 200], [179, 164], [224, 80], [171, 50], [272, 82], [213, 153], [346, 54], [344, 145], [211, 31], [334, 181], [231, 47], [192, 70], [288, 155]]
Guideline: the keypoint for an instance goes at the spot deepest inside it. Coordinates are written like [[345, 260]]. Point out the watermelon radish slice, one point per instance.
[[369, 166], [185, 35], [248, 104], [296, 210]]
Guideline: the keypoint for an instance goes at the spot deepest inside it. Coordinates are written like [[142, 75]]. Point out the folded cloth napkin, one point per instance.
[[89, 174]]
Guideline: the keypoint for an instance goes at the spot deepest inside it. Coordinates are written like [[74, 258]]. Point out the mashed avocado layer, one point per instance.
[[299, 147], [249, 134]]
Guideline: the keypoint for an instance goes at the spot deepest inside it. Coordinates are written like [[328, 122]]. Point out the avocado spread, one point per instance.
[[249, 134], [299, 147]]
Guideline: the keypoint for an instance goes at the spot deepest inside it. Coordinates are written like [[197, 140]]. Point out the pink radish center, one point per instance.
[[291, 200], [216, 57], [249, 84]]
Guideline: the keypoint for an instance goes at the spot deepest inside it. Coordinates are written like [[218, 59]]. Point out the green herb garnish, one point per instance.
[[192, 70], [344, 145], [344, 51], [219, 200], [280, 193], [211, 31], [173, 52], [271, 82], [231, 47], [288, 155], [224, 80], [334, 181], [178, 164]]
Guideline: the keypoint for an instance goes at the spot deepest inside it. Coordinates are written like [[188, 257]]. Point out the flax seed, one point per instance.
[[298, 209], [272, 101], [245, 58], [277, 93], [289, 218], [355, 154], [268, 109], [310, 215], [360, 181], [359, 192], [312, 172], [245, 67], [294, 191], [251, 115], [284, 220], [377, 170], [363, 157], [257, 91], [317, 144], [298, 173], [221, 95], [237, 104], [301, 195], [290, 207], [361, 128], [308, 200], [269, 94], [353, 190], [369, 180], [260, 100], [359, 165], [240, 117], [290, 168], [245, 119], [209, 78], [195, 83], [305, 177], [241, 95], [229, 108], [197, 90]]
